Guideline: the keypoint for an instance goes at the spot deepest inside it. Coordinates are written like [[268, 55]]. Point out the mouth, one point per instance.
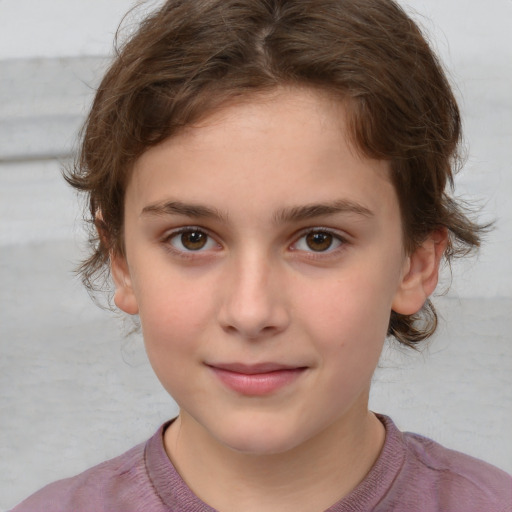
[[256, 379]]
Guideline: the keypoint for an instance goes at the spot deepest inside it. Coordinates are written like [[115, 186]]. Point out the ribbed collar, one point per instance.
[[178, 497]]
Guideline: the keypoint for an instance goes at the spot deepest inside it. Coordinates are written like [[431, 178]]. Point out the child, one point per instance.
[[269, 181]]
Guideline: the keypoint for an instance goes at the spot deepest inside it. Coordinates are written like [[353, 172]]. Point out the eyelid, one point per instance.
[[342, 237], [336, 234], [173, 233]]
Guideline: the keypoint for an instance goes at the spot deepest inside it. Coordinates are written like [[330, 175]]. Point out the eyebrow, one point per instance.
[[291, 214], [300, 213], [186, 209]]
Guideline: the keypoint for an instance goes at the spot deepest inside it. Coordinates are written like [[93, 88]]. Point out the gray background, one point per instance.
[[74, 390]]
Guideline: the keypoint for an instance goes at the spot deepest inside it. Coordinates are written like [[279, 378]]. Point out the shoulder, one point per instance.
[[416, 474], [117, 484], [456, 480]]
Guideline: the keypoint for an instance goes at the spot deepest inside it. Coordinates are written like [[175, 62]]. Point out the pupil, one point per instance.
[[193, 240], [319, 241]]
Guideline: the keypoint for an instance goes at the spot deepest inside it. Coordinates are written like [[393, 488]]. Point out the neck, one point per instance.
[[310, 477]]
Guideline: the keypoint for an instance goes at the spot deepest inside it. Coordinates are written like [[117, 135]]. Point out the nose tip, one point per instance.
[[254, 306], [251, 332], [253, 328]]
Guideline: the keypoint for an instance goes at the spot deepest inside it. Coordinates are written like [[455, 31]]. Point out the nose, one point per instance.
[[253, 304]]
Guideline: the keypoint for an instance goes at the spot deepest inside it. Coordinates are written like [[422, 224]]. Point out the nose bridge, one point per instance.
[[253, 302]]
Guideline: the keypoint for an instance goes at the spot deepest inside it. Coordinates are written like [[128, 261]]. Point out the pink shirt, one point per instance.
[[412, 474]]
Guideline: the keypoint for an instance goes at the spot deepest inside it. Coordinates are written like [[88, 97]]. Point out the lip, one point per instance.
[[256, 379]]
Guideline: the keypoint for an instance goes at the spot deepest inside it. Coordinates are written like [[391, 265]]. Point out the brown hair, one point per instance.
[[193, 55]]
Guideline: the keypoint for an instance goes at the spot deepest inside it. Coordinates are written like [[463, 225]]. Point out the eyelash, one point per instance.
[[337, 239], [187, 253]]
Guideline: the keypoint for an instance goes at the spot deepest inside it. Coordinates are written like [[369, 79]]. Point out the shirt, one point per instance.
[[412, 473]]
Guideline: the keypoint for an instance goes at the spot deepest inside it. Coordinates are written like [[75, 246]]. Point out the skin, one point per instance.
[[266, 286]]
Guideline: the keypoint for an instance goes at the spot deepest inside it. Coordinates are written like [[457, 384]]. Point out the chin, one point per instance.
[[260, 438], [260, 445]]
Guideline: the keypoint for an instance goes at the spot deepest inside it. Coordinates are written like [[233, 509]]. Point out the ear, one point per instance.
[[421, 273], [124, 296]]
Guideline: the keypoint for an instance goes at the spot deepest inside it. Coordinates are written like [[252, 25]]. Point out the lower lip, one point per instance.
[[258, 384]]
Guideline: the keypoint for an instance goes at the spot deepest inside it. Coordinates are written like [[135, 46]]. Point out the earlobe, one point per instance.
[[421, 273], [124, 296]]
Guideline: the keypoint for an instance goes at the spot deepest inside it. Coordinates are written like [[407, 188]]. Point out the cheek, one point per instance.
[[347, 311], [173, 314], [171, 301], [348, 322], [171, 343]]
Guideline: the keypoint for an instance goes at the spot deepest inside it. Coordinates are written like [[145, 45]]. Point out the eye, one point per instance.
[[191, 240], [318, 241]]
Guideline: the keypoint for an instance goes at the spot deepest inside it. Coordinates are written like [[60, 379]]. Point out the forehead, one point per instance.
[[279, 114], [284, 148]]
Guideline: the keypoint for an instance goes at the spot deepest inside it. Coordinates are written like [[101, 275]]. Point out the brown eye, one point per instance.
[[319, 241], [194, 240]]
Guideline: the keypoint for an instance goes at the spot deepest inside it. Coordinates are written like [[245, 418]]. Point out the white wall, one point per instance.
[[59, 28], [74, 391]]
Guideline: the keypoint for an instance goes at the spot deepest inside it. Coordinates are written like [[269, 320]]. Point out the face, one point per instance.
[[264, 256]]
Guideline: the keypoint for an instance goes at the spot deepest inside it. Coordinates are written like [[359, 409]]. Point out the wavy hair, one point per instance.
[[192, 56]]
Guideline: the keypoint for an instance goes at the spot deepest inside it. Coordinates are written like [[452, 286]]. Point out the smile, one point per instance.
[[256, 380]]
